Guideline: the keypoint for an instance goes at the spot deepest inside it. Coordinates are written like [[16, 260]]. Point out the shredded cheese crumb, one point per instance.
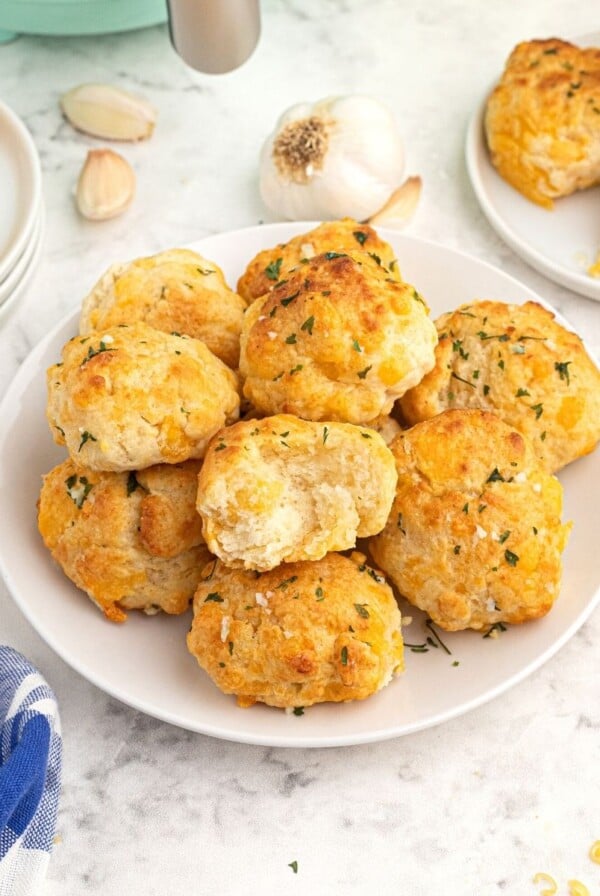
[[541, 878], [490, 604], [108, 338], [307, 249], [576, 888], [406, 621], [521, 477], [225, 623], [537, 488], [272, 334], [481, 532], [261, 600], [595, 852]]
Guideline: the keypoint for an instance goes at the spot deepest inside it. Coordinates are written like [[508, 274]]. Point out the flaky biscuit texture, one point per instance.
[[517, 361], [272, 265], [129, 540], [174, 291], [130, 397], [542, 121], [338, 339], [283, 489], [475, 536], [301, 634]]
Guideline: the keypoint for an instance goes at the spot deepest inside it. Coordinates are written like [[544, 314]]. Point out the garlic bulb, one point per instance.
[[341, 156]]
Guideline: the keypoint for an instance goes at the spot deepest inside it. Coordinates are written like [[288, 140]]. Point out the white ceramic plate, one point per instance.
[[145, 662], [561, 243], [13, 288], [20, 188]]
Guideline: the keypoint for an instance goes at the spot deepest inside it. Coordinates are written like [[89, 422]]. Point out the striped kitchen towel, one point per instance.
[[30, 762]]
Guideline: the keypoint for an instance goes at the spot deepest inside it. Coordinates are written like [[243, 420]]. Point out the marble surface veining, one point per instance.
[[471, 808]]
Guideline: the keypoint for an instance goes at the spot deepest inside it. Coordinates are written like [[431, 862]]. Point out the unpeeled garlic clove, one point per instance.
[[108, 112], [106, 185], [400, 207]]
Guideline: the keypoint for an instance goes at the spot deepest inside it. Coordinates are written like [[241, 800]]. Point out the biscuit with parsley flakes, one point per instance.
[[474, 536], [271, 266], [174, 291], [129, 397], [300, 634], [283, 489], [518, 362], [338, 339], [542, 121], [131, 541]]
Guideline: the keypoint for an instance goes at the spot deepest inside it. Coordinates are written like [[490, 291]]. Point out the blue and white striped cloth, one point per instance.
[[30, 763]]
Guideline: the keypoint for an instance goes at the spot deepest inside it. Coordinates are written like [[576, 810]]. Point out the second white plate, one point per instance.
[[145, 662], [561, 243]]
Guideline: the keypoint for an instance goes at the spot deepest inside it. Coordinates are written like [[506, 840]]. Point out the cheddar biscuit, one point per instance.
[[130, 540], [338, 339], [174, 291], [517, 361], [475, 536], [131, 396], [300, 634], [282, 489], [542, 121], [272, 265]]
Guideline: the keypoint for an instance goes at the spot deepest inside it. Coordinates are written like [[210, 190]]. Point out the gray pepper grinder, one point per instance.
[[214, 36]]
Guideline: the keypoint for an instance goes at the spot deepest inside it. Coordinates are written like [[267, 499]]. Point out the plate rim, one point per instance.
[[26, 141], [580, 283], [22, 378]]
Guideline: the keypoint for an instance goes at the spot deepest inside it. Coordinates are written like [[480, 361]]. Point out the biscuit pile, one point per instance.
[[168, 497]]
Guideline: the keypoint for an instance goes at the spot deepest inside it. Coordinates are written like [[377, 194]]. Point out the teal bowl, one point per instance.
[[68, 17]]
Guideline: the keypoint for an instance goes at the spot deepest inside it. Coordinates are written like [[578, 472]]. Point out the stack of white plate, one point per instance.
[[21, 209]]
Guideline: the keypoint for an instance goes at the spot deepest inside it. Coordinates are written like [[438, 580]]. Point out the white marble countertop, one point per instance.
[[475, 806]]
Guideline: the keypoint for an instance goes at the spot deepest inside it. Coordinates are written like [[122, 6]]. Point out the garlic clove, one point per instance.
[[106, 185], [400, 207], [108, 112]]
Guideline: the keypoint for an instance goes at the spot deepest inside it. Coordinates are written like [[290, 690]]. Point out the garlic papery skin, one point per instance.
[[108, 112], [339, 157], [106, 185]]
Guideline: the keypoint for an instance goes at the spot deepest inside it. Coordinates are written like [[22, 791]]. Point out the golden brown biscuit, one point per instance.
[[272, 265], [474, 537], [542, 121], [174, 291], [283, 489], [130, 540], [303, 633], [337, 340], [131, 396], [517, 361]]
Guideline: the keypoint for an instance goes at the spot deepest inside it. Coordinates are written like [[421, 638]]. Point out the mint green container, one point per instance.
[[64, 17]]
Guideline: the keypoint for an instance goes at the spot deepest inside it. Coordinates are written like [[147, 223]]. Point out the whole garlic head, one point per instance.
[[339, 157]]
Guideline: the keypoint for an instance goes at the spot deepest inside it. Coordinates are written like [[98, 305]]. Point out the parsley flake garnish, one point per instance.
[[539, 410], [344, 656], [501, 337], [521, 392], [283, 585], [362, 611], [400, 526], [285, 302], [460, 378], [325, 433], [296, 369], [356, 345], [92, 352], [214, 596], [298, 711], [330, 255], [78, 488], [504, 536], [308, 325], [86, 437], [291, 339], [511, 559], [495, 476], [294, 865], [272, 270], [362, 373], [360, 237], [457, 549], [562, 367]]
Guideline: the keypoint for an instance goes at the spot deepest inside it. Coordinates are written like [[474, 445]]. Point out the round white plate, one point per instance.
[[561, 243], [20, 188], [27, 264], [13, 278], [145, 662]]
